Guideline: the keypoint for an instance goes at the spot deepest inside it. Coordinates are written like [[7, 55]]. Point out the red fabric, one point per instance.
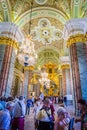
[[18, 123], [52, 110]]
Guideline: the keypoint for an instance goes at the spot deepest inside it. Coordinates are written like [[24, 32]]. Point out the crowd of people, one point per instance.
[[13, 112]]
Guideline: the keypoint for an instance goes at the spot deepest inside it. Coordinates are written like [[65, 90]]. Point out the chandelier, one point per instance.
[[44, 81], [27, 55]]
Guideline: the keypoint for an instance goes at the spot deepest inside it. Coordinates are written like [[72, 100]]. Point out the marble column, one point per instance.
[[76, 39], [66, 79], [27, 80], [10, 35], [75, 73]]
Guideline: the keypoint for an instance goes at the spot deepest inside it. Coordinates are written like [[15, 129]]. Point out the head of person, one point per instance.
[[21, 98], [61, 113], [10, 105], [46, 102], [81, 104]]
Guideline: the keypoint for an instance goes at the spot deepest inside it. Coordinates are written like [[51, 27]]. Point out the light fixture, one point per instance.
[[27, 55], [44, 80]]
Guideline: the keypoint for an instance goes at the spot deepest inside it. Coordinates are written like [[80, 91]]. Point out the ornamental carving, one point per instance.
[[77, 38], [9, 41], [45, 32]]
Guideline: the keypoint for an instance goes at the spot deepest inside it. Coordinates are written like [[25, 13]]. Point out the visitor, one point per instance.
[[36, 110], [52, 101], [82, 106], [45, 116], [5, 117], [41, 97], [19, 114], [61, 122], [28, 105], [32, 101]]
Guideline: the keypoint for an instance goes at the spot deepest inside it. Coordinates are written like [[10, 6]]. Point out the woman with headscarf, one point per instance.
[[62, 120]]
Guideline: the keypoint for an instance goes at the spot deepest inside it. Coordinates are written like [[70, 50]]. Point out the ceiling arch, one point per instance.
[[48, 54], [41, 12], [42, 48]]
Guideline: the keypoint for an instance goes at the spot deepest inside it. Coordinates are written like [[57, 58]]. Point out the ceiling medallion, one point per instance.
[[40, 2], [45, 32]]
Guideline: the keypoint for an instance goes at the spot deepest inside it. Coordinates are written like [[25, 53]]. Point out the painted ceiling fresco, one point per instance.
[[47, 23]]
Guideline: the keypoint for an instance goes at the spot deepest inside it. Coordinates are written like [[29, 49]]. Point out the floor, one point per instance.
[[29, 120]]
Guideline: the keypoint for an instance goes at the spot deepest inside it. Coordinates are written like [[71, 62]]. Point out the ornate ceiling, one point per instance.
[[47, 23]]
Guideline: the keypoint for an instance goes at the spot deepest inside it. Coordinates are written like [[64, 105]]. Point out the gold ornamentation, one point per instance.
[[59, 75], [29, 68], [19, 74], [9, 41], [18, 66], [76, 38], [65, 66]]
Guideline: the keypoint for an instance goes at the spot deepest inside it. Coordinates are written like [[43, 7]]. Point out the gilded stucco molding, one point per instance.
[[19, 74], [65, 66], [18, 66], [82, 38], [60, 75], [9, 41], [29, 68]]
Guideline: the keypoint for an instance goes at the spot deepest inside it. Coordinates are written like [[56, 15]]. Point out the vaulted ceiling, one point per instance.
[[47, 23]]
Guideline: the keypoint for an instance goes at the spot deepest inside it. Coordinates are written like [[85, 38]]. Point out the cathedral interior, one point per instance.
[[43, 48]]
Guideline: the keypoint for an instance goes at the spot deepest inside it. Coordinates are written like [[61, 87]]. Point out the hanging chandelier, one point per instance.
[[44, 81], [26, 54]]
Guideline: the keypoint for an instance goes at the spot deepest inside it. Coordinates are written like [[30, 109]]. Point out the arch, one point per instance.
[[54, 58], [42, 48], [41, 12]]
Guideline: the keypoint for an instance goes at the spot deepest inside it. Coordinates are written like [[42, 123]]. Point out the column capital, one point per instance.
[[12, 31], [75, 31], [65, 66], [81, 38], [65, 62], [9, 41]]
